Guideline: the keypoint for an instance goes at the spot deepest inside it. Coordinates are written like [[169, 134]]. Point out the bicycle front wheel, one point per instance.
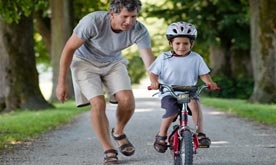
[[186, 148]]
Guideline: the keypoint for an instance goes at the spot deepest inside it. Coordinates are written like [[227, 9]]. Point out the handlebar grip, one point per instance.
[[149, 88], [217, 89]]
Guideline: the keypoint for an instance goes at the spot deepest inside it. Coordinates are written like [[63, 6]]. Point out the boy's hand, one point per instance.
[[212, 86], [154, 85]]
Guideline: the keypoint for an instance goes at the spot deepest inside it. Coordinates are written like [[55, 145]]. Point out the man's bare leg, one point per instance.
[[100, 122], [125, 110]]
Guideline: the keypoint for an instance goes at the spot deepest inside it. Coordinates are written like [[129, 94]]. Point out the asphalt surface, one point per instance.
[[235, 141]]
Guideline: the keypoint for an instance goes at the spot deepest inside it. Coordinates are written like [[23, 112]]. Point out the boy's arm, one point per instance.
[[206, 78]]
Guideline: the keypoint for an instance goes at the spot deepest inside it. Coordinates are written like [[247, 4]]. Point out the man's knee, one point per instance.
[[97, 103], [125, 99], [127, 103]]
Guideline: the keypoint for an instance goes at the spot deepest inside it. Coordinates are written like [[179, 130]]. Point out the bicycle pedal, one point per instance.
[[170, 147], [204, 146]]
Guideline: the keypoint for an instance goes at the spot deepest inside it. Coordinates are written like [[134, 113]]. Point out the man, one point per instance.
[[94, 53]]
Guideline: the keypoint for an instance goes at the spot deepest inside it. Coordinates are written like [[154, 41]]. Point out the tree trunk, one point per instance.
[[241, 65], [61, 30], [227, 62], [263, 50], [19, 85], [217, 60]]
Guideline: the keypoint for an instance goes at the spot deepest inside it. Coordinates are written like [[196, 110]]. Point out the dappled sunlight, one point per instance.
[[215, 113], [144, 110], [45, 83], [144, 93], [265, 135], [219, 142]]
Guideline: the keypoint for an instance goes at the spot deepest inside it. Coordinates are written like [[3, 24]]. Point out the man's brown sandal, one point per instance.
[[160, 144], [126, 149], [110, 157]]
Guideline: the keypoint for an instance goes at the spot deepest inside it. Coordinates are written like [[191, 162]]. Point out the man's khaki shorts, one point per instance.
[[92, 79]]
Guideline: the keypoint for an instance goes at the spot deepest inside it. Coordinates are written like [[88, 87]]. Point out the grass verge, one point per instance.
[[262, 113], [15, 127]]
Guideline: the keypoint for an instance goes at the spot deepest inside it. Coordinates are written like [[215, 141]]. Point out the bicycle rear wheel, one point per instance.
[[186, 149]]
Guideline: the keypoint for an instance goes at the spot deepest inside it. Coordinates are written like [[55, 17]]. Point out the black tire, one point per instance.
[[186, 149], [177, 160]]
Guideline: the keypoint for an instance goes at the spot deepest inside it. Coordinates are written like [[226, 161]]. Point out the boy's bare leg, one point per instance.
[[197, 114]]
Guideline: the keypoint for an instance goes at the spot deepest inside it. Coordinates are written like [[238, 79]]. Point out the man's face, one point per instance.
[[124, 20]]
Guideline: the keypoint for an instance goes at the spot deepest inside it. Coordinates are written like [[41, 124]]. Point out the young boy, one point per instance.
[[181, 66]]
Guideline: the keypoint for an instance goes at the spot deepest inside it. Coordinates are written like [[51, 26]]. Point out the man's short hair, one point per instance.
[[117, 5]]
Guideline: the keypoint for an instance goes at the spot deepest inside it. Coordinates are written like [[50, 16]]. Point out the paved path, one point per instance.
[[234, 141]]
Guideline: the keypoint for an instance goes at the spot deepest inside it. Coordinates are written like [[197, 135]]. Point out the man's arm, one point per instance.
[[70, 47], [148, 58]]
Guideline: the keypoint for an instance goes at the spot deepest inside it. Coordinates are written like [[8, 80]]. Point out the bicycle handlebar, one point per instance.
[[174, 88], [162, 85]]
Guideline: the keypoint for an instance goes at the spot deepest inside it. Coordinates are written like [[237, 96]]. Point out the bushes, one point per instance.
[[136, 69], [241, 88]]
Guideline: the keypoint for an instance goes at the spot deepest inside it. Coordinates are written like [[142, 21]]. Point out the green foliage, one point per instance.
[[224, 22], [240, 88], [41, 53], [136, 69], [83, 7], [13, 10]]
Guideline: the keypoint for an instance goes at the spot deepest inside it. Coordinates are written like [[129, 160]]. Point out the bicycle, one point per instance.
[[183, 139]]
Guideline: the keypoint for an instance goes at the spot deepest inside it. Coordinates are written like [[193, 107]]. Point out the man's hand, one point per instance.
[[62, 93]]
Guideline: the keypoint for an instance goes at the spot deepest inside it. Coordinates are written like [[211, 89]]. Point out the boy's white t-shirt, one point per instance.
[[173, 70], [104, 45]]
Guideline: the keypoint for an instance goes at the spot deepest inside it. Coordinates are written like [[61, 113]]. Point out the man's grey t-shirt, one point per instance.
[[104, 45]]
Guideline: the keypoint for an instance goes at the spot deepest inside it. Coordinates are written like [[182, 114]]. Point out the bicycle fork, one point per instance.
[[176, 135], [184, 125]]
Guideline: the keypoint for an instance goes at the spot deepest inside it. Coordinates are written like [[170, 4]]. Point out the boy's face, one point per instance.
[[181, 45], [124, 20]]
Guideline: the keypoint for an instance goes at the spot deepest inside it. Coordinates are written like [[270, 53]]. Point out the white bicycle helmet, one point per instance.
[[179, 29]]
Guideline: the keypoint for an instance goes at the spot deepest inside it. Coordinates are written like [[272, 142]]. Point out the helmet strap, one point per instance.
[[176, 55]]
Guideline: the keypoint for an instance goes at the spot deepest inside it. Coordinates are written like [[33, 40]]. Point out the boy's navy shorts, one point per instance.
[[170, 104]]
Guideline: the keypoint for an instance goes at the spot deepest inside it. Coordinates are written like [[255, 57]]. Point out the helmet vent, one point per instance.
[[175, 31]]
